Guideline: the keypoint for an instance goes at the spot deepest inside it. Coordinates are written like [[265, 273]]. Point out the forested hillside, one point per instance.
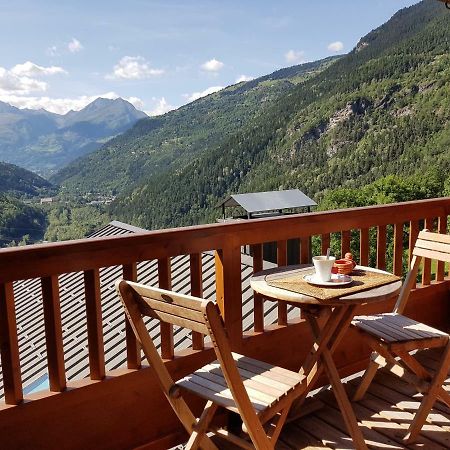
[[157, 144], [21, 182], [382, 109], [20, 222]]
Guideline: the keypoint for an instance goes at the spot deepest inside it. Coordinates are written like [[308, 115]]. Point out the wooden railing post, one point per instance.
[[53, 333], [442, 228], [94, 324], [398, 249], [282, 261], [229, 290], [195, 265], [364, 246], [133, 346], [325, 243], [305, 250], [258, 301], [9, 346], [381, 247], [426, 267], [165, 282], [345, 242]]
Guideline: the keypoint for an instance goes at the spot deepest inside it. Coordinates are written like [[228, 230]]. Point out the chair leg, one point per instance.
[[366, 379], [200, 429], [276, 428], [430, 397]]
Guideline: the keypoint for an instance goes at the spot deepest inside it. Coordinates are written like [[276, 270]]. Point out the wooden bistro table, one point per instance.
[[328, 320]]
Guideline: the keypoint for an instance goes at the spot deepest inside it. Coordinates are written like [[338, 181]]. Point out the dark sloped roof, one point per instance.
[[30, 319], [269, 201]]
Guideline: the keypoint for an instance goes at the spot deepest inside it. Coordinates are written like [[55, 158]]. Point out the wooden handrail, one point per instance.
[[42, 260]]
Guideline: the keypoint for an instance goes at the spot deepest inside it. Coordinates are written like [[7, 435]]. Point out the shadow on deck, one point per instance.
[[384, 415]]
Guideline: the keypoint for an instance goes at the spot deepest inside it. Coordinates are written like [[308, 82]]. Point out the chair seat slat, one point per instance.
[[267, 385], [253, 388], [396, 328], [262, 395], [288, 374]]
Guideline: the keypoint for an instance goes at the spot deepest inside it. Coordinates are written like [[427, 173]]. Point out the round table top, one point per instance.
[[376, 294]]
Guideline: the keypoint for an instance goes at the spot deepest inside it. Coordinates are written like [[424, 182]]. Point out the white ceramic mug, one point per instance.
[[323, 267]]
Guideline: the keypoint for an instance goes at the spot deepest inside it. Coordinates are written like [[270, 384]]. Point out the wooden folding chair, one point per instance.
[[393, 336], [261, 393]]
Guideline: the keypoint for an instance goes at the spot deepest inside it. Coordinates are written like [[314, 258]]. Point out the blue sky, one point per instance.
[[162, 54]]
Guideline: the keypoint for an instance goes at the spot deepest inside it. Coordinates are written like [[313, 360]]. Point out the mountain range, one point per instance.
[[22, 183], [44, 142], [171, 141], [372, 123]]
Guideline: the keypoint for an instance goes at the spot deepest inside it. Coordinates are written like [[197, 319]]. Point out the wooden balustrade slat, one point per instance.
[[133, 346], [282, 261], [229, 290], [324, 243], [381, 247], [413, 234], [442, 228], [258, 300], [53, 333], [94, 324], [426, 266], [364, 246], [345, 242], [9, 346], [398, 249], [195, 264], [305, 250], [165, 282]]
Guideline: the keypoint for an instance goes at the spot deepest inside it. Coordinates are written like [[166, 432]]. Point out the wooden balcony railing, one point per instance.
[[373, 228]]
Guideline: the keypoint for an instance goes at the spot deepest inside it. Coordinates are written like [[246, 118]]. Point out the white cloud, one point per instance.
[[197, 95], [136, 102], [242, 78], [29, 69], [161, 107], [213, 65], [74, 46], [336, 46], [21, 79], [13, 84], [133, 68], [295, 56], [62, 105]]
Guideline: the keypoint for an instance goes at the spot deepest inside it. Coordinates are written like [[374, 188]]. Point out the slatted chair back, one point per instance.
[[428, 245], [198, 315]]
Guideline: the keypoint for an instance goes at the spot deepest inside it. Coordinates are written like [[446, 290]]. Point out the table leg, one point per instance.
[[331, 333], [333, 374]]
